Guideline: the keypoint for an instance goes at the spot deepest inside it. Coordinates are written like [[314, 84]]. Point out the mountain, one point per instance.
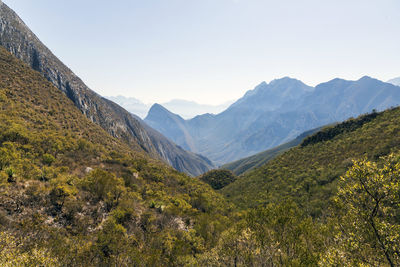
[[395, 81], [244, 165], [173, 124], [73, 195], [17, 38], [131, 104], [213, 134], [184, 108], [275, 113], [309, 173], [330, 102], [189, 109]]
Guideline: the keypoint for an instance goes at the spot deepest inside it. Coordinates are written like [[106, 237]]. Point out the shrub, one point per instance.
[[218, 178]]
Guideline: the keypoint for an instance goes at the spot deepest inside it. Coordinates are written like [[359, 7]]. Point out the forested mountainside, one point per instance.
[[71, 194], [18, 39], [310, 172], [244, 165], [256, 122]]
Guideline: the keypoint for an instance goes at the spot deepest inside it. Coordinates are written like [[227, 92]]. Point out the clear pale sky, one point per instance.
[[212, 51]]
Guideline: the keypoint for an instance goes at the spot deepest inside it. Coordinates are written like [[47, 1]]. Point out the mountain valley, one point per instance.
[[18, 39], [273, 114], [309, 176]]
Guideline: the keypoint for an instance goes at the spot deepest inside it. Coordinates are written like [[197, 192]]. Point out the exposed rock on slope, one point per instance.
[[275, 113], [17, 38]]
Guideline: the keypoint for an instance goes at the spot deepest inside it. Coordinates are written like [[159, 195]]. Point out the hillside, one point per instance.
[[244, 165], [18, 39], [275, 113], [309, 173], [72, 195], [173, 124]]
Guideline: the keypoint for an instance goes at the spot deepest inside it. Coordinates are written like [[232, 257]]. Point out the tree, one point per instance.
[[368, 207], [218, 179], [104, 186]]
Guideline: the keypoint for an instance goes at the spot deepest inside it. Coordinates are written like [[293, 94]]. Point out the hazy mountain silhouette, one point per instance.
[[276, 113]]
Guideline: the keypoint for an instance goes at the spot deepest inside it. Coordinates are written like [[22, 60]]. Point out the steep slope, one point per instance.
[[244, 165], [73, 195], [278, 112], [214, 135], [333, 101], [309, 173], [173, 124], [268, 97], [16, 37]]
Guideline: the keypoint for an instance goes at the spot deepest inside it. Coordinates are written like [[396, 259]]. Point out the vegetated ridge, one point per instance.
[[309, 173], [73, 195], [244, 165], [18, 39]]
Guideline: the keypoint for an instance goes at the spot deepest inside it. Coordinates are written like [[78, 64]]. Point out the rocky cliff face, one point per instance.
[[17, 38]]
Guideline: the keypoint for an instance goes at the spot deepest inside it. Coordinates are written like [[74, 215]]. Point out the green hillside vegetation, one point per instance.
[[361, 226], [218, 179], [72, 195], [308, 174], [333, 201], [244, 165], [329, 133]]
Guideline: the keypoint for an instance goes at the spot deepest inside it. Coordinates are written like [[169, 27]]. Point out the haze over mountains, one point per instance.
[[272, 114], [18, 39], [84, 182], [185, 108], [265, 117], [395, 81]]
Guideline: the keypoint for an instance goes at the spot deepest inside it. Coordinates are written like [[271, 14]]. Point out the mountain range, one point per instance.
[[272, 114], [18, 39], [395, 81], [83, 182], [186, 109], [310, 171], [245, 165]]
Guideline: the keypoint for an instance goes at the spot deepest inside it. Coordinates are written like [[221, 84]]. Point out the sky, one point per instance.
[[212, 51]]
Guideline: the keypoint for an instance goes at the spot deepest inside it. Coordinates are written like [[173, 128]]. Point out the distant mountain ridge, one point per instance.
[[309, 172], [275, 113], [395, 81], [18, 39], [244, 165], [184, 108], [190, 109], [131, 104]]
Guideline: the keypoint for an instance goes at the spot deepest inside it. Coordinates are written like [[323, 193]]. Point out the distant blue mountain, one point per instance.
[[395, 81], [271, 114], [131, 104]]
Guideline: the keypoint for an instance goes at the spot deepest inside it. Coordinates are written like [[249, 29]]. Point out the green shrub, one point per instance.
[[218, 178]]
